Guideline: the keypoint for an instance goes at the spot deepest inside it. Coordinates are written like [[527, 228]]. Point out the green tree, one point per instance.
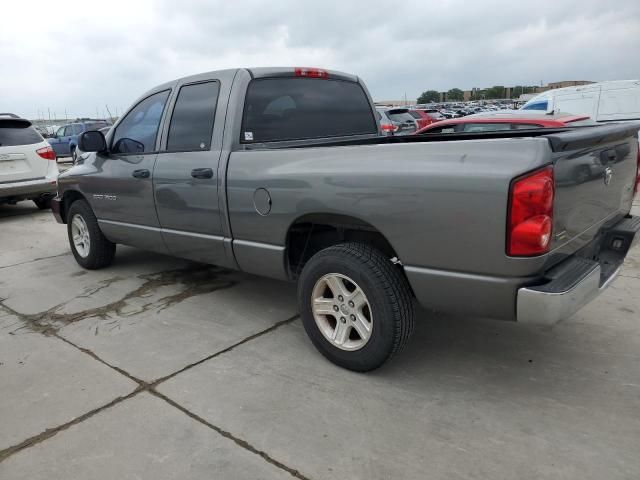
[[429, 96], [497, 91], [455, 94]]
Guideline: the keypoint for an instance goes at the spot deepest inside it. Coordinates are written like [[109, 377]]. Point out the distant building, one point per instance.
[[525, 97], [514, 93], [565, 83]]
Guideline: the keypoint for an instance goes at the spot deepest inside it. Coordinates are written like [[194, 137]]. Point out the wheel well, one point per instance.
[[68, 198], [312, 233]]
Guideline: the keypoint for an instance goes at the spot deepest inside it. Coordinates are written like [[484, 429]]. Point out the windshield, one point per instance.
[[535, 105]]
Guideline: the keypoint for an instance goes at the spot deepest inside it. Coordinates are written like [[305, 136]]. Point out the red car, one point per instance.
[[426, 117], [505, 121]]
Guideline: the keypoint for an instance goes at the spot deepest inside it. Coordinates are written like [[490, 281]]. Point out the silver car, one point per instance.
[[397, 121]]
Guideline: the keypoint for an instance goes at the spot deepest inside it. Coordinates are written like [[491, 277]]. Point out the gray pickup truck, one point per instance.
[[283, 172]]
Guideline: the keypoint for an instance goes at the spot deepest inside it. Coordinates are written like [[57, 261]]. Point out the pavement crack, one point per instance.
[[194, 280], [194, 286], [50, 432], [273, 327], [35, 260], [86, 351], [238, 441]]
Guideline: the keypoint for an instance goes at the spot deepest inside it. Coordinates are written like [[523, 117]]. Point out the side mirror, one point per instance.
[[92, 141]]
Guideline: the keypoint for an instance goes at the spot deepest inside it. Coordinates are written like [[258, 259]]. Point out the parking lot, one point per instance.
[[162, 368]]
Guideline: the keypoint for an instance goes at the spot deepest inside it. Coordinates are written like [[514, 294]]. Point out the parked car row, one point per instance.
[[408, 120], [65, 140]]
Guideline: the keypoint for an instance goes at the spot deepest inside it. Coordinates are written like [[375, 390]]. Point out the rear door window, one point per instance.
[[191, 125], [17, 133], [279, 109], [139, 128]]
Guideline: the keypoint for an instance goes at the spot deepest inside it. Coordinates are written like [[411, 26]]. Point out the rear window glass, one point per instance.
[[486, 127], [400, 117], [304, 108], [12, 134], [414, 114], [538, 105], [525, 126]]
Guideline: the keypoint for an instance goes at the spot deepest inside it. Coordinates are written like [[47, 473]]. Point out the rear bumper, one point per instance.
[[28, 189], [576, 281], [542, 298]]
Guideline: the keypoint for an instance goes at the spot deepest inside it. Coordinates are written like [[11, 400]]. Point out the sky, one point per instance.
[[87, 56]]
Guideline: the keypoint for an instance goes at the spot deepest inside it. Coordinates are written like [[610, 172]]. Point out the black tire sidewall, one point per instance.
[[96, 238], [380, 344]]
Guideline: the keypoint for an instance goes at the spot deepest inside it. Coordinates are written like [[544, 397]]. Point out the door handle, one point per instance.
[[202, 173], [142, 173]]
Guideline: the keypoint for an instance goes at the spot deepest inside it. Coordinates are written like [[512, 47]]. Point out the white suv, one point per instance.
[[28, 167]]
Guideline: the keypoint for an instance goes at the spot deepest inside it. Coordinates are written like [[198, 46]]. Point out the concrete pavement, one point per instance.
[[162, 368]]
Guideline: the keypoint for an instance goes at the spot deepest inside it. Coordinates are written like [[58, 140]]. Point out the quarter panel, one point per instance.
[[440, 205]]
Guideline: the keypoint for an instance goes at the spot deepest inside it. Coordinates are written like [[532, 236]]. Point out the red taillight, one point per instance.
[[530, 214], [389, 127], [46, 153], [311, 72]]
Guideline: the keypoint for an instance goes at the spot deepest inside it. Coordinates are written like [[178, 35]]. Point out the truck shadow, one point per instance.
[[490, 357]]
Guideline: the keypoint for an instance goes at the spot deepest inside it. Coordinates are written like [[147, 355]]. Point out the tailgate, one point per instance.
[[595, 172]]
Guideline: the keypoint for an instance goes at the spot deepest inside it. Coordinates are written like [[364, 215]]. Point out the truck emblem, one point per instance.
[[608, 173]]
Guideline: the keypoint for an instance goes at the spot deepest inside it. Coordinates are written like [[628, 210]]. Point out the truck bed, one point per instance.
[[440, 200]]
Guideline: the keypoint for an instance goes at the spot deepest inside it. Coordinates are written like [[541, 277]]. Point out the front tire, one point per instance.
[[356, 306], [89, 246]]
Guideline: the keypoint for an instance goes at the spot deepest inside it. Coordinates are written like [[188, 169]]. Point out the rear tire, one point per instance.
[[74, 156], [43, 203], [389, 311], [89, 246]]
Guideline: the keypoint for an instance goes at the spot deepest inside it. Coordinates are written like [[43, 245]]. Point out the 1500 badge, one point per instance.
[[101, 196]]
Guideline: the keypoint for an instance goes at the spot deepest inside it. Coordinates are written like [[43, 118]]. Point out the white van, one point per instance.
[[604, 101]]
